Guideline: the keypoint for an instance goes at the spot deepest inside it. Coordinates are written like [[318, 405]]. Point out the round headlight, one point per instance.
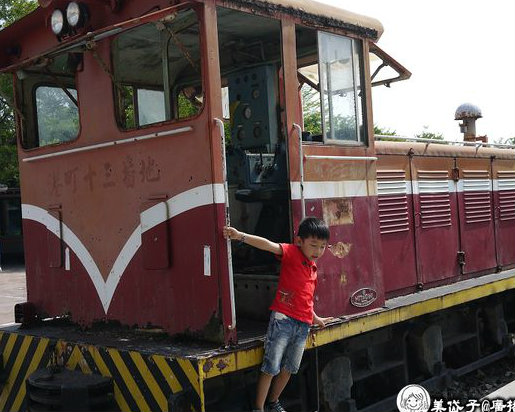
[[57, 21], [73, 14]]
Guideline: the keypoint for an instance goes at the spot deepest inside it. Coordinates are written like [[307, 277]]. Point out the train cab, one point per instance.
[[143, 131]]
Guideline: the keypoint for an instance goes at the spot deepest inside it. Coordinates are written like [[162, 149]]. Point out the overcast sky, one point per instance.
[[459, 51]]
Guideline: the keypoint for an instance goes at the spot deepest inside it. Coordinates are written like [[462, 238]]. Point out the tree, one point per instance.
[[426, 134], [10, 11]]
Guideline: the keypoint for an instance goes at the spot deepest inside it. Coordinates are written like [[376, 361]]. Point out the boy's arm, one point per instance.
[[252, 240]]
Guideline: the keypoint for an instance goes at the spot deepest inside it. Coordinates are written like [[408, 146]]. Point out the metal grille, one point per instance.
[[435, 202], [393, 201], [506, 183], [477, 196]]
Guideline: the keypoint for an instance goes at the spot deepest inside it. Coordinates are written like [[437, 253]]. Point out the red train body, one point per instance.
[[144, 127], [123, 219]]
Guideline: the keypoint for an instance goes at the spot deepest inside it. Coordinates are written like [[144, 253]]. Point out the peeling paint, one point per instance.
[[340, 250], [207, 366], [338, 212], [222, 364], [343, 278]]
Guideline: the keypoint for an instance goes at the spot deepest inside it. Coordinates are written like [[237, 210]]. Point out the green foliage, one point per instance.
[[378, 130], [9, 174], [311, 110], [426, 134], [10, 11]]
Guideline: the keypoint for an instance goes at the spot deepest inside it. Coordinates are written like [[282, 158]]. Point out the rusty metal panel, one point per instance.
[[395, 204], [504, 210], [436, 219], [475, 199]]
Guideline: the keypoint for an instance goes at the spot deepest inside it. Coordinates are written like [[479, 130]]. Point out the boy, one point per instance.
[[292, 309]]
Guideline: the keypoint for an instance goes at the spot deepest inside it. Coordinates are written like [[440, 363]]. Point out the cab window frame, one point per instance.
[[36, 116], [359, 88], [27, 108], [135, 85]]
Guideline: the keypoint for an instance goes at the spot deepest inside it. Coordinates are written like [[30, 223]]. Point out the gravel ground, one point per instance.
[[480, 383]]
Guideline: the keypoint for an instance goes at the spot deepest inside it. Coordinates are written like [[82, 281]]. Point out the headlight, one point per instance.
[[57, 21], [73, 14]]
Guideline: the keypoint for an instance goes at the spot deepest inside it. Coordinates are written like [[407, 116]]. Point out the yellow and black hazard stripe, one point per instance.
[[21, 356], [142, 382]]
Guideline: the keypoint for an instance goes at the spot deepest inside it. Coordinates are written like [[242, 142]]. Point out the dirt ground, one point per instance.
[[12, 289]]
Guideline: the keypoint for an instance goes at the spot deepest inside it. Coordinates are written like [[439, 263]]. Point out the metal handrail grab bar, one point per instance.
[[445, 142], [220, 125], [301, 170], [365, 158]]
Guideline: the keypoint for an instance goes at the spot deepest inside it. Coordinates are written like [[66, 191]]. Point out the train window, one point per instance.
[[330, 74], [49, 101], [157, 71], [57, 114]]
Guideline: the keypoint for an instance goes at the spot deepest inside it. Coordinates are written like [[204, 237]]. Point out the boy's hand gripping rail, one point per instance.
[[220, 125]]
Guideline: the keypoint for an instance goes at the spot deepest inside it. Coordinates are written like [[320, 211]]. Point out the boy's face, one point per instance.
[[312, 247]]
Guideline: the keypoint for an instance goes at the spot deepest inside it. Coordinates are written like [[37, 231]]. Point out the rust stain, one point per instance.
[[207, 366], [340, 249], [338, 212], [221, 365]]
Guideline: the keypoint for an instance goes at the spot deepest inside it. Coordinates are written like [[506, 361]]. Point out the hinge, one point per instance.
[[461, 258], [456, 174]]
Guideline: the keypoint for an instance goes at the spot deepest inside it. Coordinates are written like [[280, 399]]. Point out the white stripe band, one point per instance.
[[327, 190], [183, 202]]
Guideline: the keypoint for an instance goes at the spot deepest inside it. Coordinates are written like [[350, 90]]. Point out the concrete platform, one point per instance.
[[12, 289], [506, 392]]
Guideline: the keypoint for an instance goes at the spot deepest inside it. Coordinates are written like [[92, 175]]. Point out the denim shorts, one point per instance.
[[284, 344]]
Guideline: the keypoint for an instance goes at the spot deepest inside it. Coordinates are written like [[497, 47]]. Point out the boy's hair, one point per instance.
[[314, 227]]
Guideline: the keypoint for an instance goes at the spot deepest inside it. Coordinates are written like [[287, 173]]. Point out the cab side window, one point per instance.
[[157, 71], [330, 76], [57, 114], [49, 103]]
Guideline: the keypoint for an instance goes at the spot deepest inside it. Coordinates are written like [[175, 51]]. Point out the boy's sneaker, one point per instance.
[[274, 407]]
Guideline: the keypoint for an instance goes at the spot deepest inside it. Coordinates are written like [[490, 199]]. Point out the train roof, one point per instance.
[[33, 31], [439, 149], [328, 15]]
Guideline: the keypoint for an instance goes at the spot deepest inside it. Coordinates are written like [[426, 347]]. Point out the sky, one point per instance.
[[458, 51]]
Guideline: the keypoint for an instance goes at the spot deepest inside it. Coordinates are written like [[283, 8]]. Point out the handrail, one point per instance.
[[220, 125], [365, 158], [445, 142], [301, 170], [110, 144]]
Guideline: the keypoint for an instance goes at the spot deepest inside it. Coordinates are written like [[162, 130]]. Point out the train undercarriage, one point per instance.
[[427, 338]]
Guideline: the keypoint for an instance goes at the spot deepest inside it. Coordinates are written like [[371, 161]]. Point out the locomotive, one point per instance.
[[146, 126]]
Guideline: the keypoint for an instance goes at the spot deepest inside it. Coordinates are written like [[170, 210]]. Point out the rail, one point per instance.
[[110, 144], [445, 142], [301, 170], [220, 125], [364, 158]]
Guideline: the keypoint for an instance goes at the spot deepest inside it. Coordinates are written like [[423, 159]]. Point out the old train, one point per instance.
[[145, 126]]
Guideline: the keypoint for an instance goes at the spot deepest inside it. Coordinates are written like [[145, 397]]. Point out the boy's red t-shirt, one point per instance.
[[297, 282]]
